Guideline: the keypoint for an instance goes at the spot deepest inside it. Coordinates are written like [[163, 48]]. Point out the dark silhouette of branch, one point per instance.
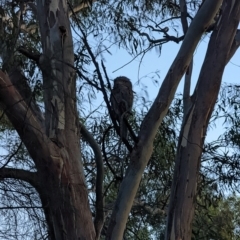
[[20, 174], [20, 82], [22, 207], [91, 83], [235, 46], [11, 156], [105, 155], [106, 76], [28, 54], [166, 38], [99, 218], [105, 96]]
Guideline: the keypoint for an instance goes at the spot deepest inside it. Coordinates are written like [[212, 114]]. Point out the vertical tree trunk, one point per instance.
[[183, 192], [65, 202], [54, 145], [64, 192], [59, 177], [143, 149]]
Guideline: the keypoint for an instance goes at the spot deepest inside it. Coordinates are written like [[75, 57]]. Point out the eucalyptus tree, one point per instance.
[[45, 116]]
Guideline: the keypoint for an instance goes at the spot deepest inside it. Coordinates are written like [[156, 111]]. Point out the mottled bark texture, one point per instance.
[[221, 47], [143, 149], [53, 140]]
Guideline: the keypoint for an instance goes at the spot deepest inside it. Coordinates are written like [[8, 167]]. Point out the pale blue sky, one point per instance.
[[153, 62]]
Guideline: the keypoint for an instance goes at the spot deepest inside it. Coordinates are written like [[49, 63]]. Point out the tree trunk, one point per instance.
[[53, 141], [183, 192], [59, 179], [143, 149], [65, 203], [65, 195]]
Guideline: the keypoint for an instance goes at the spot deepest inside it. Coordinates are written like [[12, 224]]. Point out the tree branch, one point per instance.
[[143, 149], [20, 174], [235, 46], [194, 127], [28, 54], [30, 129], [99, 218], [166, 38], [20, 82]]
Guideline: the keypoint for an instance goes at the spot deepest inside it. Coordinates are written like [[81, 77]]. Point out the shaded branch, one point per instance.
[[30, 129], [87, 79], [20, 82], [106, 76], [12, 155], [28, 54], [235, 46], [106, 158], [99, 219], [103, 90], [22, 207], [20, 174], [166, 38]]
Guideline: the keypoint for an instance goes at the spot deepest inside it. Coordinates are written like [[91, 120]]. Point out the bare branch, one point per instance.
[[166, 38], [28, 54], [99, 218], [20, 174], [20, 82], [12, 155], [30, 129], [235, 46], [103, 90], [117, 177]]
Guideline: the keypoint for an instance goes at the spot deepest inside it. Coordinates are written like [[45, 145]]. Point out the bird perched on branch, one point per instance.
[[122, 101]]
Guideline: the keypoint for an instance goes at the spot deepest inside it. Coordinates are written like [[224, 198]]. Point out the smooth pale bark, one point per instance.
[[143, 149], [67, 196], [53, 141], [183, 193]]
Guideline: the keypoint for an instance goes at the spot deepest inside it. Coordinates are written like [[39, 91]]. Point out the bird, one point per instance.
[[122, 101]]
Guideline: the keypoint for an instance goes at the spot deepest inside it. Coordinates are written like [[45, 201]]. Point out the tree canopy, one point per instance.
[[66, 170]]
